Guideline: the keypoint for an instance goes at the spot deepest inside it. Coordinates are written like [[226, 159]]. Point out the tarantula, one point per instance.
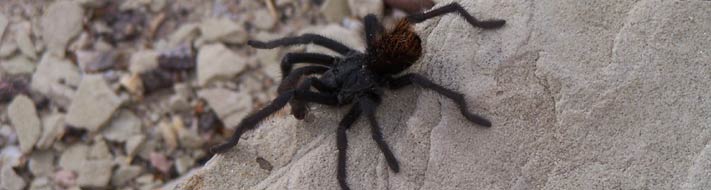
[[356, 78]]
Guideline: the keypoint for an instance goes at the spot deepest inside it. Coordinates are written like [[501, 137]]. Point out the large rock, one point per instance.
[[92, 167], [23, 116], [123, 126], [18, 65], [56, 78], [10, 180], [61, 21], [93, 104], [215, 61], [582, 95], [231, 107], [221, 29]]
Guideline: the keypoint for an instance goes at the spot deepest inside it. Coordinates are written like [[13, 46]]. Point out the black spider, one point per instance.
[[356, 78]]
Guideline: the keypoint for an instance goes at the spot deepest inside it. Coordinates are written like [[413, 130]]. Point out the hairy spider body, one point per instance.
[[356, 78]]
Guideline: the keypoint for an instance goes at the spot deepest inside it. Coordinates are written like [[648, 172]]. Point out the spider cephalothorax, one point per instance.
[[356, 78]]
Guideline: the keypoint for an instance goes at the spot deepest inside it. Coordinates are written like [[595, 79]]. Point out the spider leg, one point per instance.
[[368, 106], [452, 8], [303, 39], [298, 108], [457, 97], [250, 122], [290, 59], [342, 144], [291, 81]]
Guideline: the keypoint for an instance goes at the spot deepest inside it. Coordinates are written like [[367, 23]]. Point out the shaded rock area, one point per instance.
[[582, 95]]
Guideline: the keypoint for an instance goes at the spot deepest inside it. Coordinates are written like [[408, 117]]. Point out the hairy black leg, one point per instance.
[[372, 29], [368, 106], [290, 59], [292, 80], [251, 121], [456, 8], [298, 107], [342, 144], [457, 97], [303, 39]]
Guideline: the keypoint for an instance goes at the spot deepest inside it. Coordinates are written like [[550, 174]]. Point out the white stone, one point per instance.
[[143, 61], [157, 5], [125, 174], [123, 126], [41, 183], [42, 163], [23, 117], [72, 157], [7, 48], [93, 104], [23, 40], [222, 29], [360, 8], [9, 180], [61, 21], [95, 173], [167, 132], [18, 65], [99, 150], [183, 164], [134, 143], [231, 107], [338, 33], [186, 33], [217, 62], [56, 77], [52, 129], [263, 20], [335, 10]]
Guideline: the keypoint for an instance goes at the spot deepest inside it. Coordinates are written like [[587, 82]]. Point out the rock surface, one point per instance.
[[220, 29], [216, 61], [93, 104], [23, 117], [10, 180], [124, 125], [229, 106], [61, 22], [582, 95], [57, 78]]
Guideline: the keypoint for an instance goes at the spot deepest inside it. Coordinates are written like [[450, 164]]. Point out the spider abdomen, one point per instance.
[[396, 50]]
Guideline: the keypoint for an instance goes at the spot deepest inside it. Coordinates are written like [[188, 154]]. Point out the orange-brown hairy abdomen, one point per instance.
[[396, 50]]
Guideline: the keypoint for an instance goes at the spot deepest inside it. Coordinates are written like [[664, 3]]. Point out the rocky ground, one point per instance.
[[130, 94]]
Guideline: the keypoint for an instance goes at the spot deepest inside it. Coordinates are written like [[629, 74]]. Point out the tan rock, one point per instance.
[[231, 107], [217, 62], [61, 21], [93, 104], [23, 117]]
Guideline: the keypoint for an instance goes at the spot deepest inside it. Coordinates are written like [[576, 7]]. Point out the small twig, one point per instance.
[[272, 8]]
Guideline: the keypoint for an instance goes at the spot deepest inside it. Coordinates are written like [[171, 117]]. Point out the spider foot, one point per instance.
[[477, 119], [257, 44], [219, 149], [491, 24]]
